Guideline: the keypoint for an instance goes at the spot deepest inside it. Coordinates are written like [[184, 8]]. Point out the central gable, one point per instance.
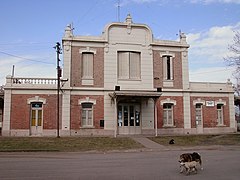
[[128, 33]]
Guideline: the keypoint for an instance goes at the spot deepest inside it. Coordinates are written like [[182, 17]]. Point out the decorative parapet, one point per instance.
[[30, 82], [34, 81]]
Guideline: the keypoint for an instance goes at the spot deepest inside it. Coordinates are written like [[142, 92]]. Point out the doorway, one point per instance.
[[36, 119], [129, 119]]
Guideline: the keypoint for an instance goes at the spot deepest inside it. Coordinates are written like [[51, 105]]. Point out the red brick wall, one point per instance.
[[76, 111], [20, 111], [178, 116], [98, 68], [209, 114], [158, 70]]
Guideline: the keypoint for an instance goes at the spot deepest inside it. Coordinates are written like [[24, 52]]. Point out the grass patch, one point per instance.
[[66, 144], [199, 140]]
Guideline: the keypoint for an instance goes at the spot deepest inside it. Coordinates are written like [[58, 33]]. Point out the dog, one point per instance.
[[171, 141], [189, 166], [189, 157]]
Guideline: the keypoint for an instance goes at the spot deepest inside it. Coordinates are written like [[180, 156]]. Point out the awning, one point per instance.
[[143, 94]]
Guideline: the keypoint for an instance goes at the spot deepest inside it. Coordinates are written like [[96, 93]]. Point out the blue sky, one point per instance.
[[30, 28]]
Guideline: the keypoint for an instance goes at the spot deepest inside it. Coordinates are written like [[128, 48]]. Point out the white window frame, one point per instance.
[[126, 68], [88, 66], [91, 101], [89, 116], [198, 109], [168, 71], [37, 115], [220, 115], [166, 112]]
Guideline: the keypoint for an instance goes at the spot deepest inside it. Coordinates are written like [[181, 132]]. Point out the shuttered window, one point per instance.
[[167, 114], [168, 67], [129, 65], [87, 65]]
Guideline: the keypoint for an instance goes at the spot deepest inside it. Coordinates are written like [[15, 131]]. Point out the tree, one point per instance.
[[233, 60]]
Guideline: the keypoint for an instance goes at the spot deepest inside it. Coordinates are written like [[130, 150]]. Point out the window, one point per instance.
[[198, 112], [87, 65], [168, 67], [36, 114], [220, 114], [87, 115], [167, 114], [129, 65]]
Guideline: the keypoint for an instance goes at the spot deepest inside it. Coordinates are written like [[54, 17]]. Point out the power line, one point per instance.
[[27, 59]]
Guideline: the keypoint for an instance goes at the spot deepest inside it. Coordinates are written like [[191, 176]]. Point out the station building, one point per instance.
[[123, 82]]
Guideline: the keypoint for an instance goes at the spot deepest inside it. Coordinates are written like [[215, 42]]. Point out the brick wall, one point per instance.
[[178, 116], [20, 111], [209, 114], [76, 111], [158, 70], [98, 68]]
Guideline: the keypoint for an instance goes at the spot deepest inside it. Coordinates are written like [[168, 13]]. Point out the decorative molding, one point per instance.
[[199, 101], [220, 101], [87, 100], [36, 99], [88, 50], [167, 53], [168, 101]]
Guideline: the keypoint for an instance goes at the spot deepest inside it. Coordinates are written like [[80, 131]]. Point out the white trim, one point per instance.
[[36, 99], [220, 101], [168, 101], [167, 54], [85, 50], [199, 101], [87, 100]]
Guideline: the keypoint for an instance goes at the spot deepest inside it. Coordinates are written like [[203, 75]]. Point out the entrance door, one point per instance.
[[36, 119], [199, 125], [129, 121]]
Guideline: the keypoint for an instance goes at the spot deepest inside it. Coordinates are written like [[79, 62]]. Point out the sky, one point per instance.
[[30, 29]]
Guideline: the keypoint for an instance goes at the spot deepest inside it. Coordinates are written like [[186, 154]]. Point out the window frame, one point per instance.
[[129, 75], [198, 121], [220, 114], [90, 72], [86, 110], [168, 110], [168, 67], [37, 119]]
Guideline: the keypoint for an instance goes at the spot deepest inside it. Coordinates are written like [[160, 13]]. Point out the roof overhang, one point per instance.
[[137, 94]]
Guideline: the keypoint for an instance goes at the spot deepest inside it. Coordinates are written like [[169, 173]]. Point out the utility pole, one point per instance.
[[59, 72]]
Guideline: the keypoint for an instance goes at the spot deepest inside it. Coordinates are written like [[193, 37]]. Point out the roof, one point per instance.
[[146, 94]]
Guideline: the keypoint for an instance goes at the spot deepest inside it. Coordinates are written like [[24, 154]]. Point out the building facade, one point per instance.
[[120, 83]]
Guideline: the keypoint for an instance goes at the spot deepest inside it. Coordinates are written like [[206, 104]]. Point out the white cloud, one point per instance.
[[207, 51], [212, 45]]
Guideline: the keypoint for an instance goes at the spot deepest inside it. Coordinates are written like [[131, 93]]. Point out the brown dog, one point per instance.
[[189, 157]]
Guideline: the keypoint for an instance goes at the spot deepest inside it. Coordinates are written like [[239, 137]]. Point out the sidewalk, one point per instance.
[[147, 143], [151, 145]]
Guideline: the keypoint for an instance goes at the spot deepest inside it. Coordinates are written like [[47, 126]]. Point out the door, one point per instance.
[[36, 119], [129, 121], [199, 124]]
